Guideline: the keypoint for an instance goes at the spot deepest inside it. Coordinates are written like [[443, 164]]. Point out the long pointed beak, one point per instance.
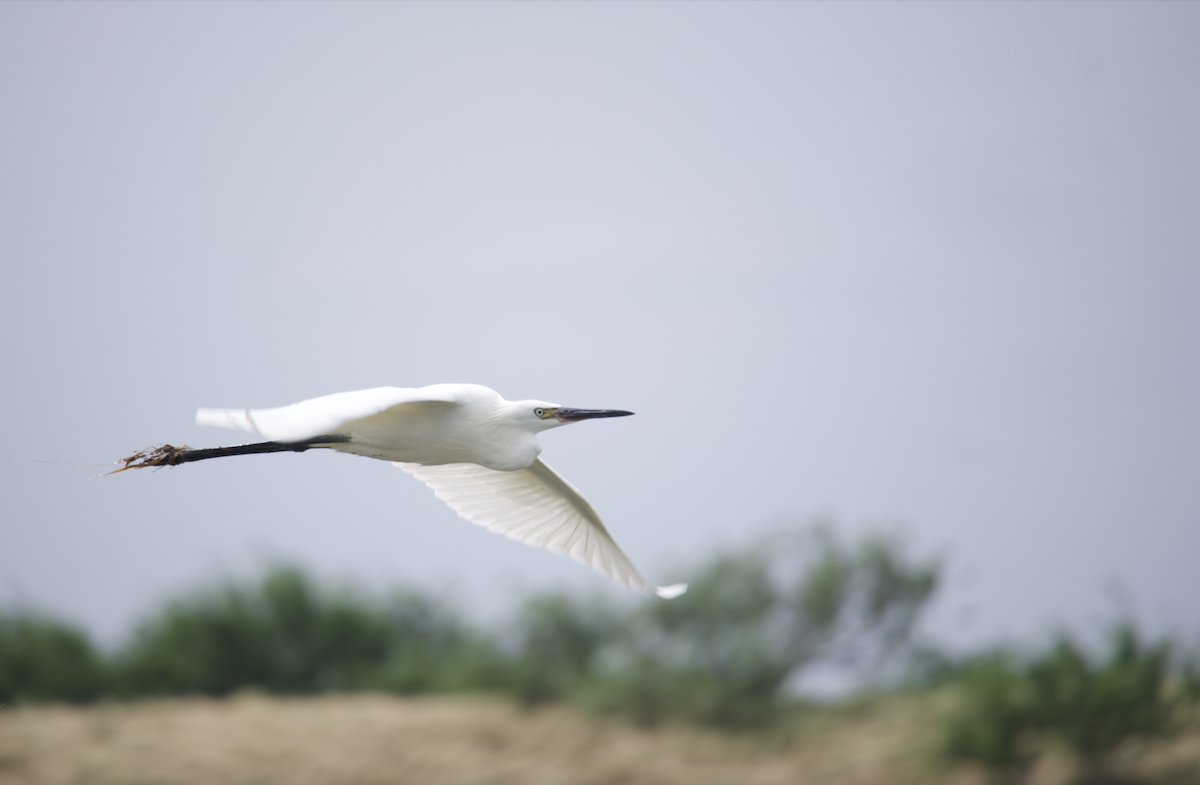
[[574, 415]]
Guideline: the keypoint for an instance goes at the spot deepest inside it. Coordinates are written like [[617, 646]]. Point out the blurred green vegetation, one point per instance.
[[286, 634], [722, 654], [728, 653], [1014, 708], [725, 652], [45, 659]]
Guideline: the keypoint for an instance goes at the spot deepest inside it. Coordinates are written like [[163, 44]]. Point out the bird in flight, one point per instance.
[[477, 451]]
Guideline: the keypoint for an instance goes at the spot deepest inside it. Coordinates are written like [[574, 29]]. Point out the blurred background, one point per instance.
[[923, 268], [906, 298]]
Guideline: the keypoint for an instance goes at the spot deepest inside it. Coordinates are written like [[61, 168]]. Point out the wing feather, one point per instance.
[[534, 506], [321, 416]]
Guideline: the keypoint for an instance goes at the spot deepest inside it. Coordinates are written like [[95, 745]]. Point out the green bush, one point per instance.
[[1089, 705], [559, 639], [433, 650], [998, 723], [287, 635], [46, 660], [724, 653]]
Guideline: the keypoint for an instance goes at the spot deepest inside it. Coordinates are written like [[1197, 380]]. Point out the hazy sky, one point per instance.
[[933, 267]]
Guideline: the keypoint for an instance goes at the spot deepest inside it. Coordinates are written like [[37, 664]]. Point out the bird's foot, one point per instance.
[[162, 455]]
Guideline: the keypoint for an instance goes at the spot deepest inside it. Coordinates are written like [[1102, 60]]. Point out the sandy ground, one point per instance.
[[365, 739]]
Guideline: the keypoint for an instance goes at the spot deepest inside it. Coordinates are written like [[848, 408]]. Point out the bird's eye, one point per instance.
[[540, 412]]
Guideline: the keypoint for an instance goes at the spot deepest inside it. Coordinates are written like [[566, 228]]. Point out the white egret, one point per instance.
[[477, 451]]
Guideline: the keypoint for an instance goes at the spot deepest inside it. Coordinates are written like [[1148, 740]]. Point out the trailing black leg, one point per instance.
[[170, 455]]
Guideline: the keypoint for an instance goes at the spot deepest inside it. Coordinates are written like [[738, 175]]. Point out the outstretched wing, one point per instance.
[[321, 416], [537, 507]]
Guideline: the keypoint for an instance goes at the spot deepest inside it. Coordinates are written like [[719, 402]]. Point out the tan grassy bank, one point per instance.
[[361, 739]]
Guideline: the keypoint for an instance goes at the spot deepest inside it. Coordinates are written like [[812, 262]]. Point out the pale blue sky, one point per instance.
[[927, 265]]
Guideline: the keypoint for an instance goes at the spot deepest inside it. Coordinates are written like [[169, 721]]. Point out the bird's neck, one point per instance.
[[508, 446]]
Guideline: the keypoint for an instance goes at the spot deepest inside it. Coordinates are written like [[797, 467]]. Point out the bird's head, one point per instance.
[[542, 416]]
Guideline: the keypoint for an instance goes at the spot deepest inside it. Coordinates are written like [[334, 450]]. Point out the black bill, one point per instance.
[[573, 415]]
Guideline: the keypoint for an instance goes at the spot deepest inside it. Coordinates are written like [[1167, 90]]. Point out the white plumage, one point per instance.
[[477, 451]]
